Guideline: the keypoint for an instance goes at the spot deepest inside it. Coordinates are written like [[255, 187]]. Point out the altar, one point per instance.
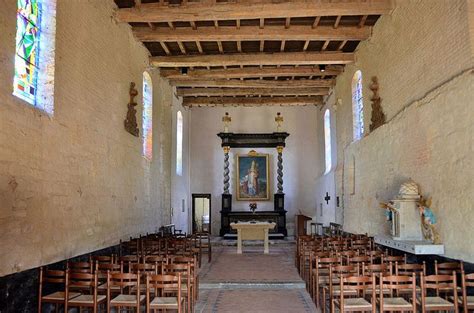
[[252, 231]]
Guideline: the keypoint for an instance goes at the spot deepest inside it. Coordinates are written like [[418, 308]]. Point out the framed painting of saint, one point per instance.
[[252, 179]]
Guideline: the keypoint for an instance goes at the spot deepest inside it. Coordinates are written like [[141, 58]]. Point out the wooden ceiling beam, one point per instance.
[[286, 58], [252, 33], [249, 73], [226, 92], [250, 9], [257, 101], [257, 83]]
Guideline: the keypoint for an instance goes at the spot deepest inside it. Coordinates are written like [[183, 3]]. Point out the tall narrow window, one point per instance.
[[147, 116], [179, 143], [327, 140], [28, 28], [357, 106]]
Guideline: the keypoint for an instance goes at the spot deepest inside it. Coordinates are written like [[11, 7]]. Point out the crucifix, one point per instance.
[[327, 198]]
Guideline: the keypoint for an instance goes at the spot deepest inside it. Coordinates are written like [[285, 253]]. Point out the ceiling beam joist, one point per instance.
[[251, 33], [249, 73], [257, 83], [250, 9], [226, 92], [230, 101], [282, 58]]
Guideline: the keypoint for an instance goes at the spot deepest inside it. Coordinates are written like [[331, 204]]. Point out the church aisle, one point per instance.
[[253, 281]]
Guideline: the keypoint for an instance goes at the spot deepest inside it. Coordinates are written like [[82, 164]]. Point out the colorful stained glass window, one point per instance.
[[179, 143], [27, 50], [327, 140], [357, 106], [147, 116]]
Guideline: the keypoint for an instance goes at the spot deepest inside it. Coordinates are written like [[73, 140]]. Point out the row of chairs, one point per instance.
[[154, 244], [162, 277], [324, 262], [123, 290]]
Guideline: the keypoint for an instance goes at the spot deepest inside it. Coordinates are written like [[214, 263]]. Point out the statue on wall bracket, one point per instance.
[[130, 122], [378, 117]]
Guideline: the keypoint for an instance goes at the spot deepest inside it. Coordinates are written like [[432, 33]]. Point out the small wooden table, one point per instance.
[[252, 231]]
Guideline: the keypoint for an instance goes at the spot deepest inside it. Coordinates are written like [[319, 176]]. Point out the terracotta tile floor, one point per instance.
[[252, 282]]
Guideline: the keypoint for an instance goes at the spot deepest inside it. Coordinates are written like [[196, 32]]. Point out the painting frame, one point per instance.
[[253, 191]]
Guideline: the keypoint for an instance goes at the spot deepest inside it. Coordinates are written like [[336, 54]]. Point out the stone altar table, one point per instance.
[[252, 231]]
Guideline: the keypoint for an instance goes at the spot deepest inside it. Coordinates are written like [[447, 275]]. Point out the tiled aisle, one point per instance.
[[253, 281]]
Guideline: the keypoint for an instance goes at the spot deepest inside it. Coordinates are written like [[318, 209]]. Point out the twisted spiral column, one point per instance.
[[226, 170], [280, 170]]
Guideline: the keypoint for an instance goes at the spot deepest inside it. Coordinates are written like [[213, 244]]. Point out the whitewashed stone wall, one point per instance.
[[77, 182], [423, 57]]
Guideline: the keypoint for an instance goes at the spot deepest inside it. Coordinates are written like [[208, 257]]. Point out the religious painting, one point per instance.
[[252, 179]]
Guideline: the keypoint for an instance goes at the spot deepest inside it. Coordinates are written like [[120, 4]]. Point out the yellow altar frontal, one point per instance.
[[252, 231]]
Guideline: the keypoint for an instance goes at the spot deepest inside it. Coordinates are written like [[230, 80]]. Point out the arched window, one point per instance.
[[33, 80], [179, 143], [147, 116], [357, 106], [327, 140]]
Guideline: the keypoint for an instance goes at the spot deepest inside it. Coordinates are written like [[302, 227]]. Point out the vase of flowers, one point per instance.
[[253, 207]]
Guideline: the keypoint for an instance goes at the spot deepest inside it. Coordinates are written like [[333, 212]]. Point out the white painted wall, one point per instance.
[[326, 212], [301, 159], [180, 196], [423, 58]]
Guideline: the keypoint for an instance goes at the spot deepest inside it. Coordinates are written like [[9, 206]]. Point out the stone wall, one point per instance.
[[76, 181], [302, 161], [422, 55]]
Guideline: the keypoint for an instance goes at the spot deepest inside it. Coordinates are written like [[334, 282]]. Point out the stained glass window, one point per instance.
[[179, 143], [357, 106], [147, 116], [327, 140], [27, 50]]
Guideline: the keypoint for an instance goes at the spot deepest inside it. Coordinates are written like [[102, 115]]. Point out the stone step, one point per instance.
[[254, 285]]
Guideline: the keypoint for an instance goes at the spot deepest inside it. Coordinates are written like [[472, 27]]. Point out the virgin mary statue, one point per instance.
[[252, 182]]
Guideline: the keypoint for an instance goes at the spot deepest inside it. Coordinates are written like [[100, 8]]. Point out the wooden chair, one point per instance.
[[204, 242], [394, 259], [90, 300], [163, 292], [333, 290], [312, 265], [392, 301], [126, 298], [102, 270], [369, 269], [80, 267], [158, 260], [360, 285], [194, 278], [376, 256], [407, 269], [439, 284], [321, 275], [346, 255], [143, 269], [465, 300], [359, 259], [447, 268], [54, 279], [187, 288], [103, 258]]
